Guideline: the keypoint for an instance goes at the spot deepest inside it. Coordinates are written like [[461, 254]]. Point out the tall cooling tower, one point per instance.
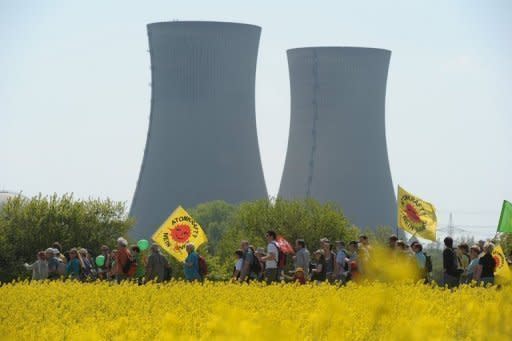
[[337, 144], [202, 142]]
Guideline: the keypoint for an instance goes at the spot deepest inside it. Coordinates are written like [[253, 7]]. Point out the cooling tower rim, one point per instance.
[[204, 23], [337, 49]]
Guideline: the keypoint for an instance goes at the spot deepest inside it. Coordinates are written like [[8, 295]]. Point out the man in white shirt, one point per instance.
[[271, 270]]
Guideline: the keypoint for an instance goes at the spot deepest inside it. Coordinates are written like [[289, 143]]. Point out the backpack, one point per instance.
[[428, 263], [281, 257], [128, 265], [203, 267]]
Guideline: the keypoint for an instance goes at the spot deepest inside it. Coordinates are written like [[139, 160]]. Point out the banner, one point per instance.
[[416, 216], [505, 224], [502, 269], [177, 231]]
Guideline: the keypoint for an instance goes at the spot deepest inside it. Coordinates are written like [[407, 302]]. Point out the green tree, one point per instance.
[[214, 217], [31, 225]]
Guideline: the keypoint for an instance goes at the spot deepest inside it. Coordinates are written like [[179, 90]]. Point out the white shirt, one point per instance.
[[238, 264], [272, 248]]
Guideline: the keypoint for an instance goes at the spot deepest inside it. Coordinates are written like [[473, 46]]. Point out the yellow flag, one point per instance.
[[416, 216], [502, 269], [177, 231]]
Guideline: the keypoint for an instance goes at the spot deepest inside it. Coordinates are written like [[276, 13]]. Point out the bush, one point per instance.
[[31, 225]]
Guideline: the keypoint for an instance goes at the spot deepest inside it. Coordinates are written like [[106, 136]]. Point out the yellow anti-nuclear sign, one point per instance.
[[177, 231]]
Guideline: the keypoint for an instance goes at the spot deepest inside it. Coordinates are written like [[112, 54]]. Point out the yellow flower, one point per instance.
[[396, 310]]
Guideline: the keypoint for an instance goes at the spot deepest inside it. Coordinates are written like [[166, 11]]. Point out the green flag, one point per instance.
[[505, 224]]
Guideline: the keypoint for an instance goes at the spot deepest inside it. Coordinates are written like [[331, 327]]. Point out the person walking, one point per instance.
[[421, 260], [329, 259], [73, 267], [125, 264], [302, 257], [239, 263], [318, 267], [463, 260], [474, 254], [157, 269], [271, 259], [53, 263], [450, 273], [191, 267], [250, 265], [484, 272], [140, 269], [104, 270], [87, 272], [341, 264], [39, 267]]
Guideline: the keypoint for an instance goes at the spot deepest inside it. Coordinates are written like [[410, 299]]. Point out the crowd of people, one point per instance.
[[332, 262], [341, 262]]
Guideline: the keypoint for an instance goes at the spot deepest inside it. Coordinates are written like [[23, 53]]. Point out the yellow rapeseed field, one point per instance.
[[369, 311]]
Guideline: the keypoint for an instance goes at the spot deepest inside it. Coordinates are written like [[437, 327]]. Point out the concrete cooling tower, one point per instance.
[[202, 143], [337, 143]]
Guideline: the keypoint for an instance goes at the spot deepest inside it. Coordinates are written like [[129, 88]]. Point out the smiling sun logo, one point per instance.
[[180, 233]]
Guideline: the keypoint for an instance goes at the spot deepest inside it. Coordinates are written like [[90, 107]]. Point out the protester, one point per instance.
[[260, 253], [353, 248], [191, 267], [140, 269], [302, 257], [329, 259], [484, 272], [157, 268], [125, 264], [53, 263], [239, 255], [39, 267], [421, 260], [87, 271], [341, 265], [113, 266], [450, 273], [474, 255], [271, 271], [74, 266], [318, 267], [104, 270], [463, 260], [248, 266]]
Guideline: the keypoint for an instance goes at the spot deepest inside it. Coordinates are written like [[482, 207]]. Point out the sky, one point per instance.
[[75, 93]]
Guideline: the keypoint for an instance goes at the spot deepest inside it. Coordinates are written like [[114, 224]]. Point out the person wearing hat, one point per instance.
[[318, 267], [53, 263], [298, 276]]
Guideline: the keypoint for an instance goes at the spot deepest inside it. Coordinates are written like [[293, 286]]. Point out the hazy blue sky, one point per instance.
[[74, 91]]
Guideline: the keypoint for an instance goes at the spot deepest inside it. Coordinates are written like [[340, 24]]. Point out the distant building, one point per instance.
[[202, 143], [6, 195], [337, 144]]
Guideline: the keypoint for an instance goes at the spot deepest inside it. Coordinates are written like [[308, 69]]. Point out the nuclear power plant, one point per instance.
[[202, 142], [337, 144]]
